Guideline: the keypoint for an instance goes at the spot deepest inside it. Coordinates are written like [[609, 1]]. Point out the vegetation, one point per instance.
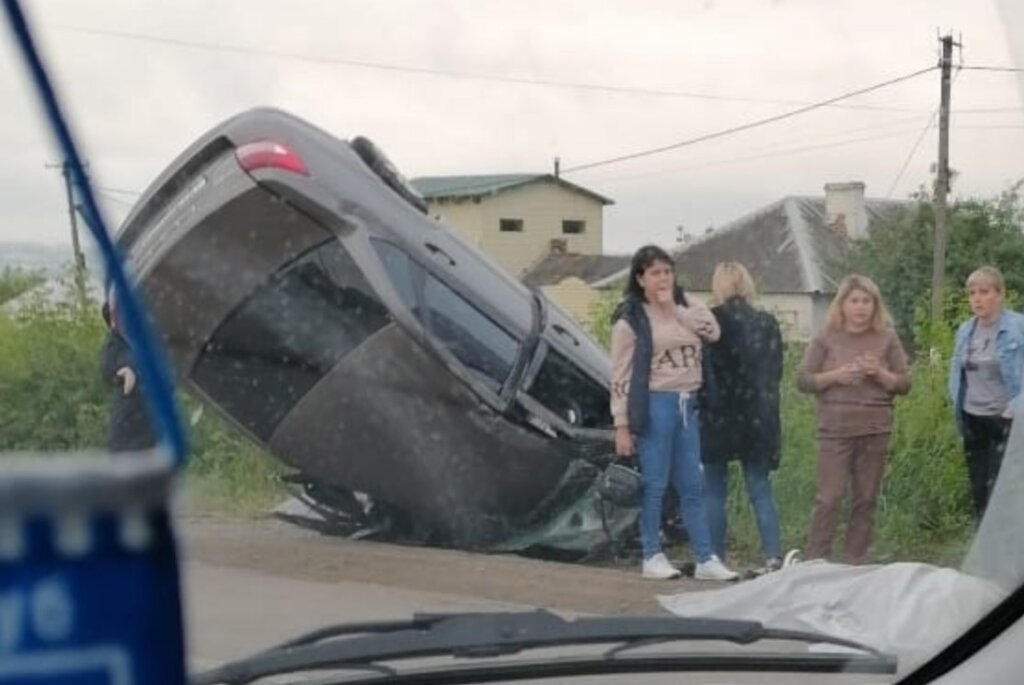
[[54, 399]]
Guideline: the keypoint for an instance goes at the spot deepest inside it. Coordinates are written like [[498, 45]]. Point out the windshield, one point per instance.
[[707, 310]]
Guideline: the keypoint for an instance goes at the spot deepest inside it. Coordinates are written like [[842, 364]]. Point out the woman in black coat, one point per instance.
[[742, 420]]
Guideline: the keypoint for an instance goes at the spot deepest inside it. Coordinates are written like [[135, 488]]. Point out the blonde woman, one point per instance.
[[854, 367], [742, 423], [984, 380]]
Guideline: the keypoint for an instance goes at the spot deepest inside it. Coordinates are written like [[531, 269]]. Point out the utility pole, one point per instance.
[[76, 245], [942, 181]]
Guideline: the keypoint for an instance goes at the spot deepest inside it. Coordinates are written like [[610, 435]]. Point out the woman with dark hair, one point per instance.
[[657, 345]]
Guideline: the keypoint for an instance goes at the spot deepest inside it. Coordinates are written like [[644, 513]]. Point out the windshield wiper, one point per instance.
[[364, 646]]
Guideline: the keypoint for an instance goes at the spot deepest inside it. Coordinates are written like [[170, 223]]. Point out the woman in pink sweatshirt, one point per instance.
[[657, 348]]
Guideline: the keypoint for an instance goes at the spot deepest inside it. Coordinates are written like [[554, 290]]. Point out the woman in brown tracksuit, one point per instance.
[[855, 367]]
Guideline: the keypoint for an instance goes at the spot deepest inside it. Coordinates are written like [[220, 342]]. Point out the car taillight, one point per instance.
[[266, 154]]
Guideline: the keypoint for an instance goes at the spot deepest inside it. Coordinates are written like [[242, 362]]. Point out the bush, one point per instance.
[[15, 281], [53, 399]]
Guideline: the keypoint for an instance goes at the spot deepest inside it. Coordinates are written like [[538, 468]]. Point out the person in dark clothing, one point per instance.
[[130, 428], [742, 421]]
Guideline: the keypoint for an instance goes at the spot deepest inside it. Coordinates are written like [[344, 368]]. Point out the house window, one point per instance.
[[510, 225], [573, 226]]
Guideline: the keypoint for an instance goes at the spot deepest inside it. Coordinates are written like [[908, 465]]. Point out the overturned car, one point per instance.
[[302, 292]]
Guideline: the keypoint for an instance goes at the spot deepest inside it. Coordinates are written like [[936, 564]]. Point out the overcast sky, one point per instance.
[[137, 102]]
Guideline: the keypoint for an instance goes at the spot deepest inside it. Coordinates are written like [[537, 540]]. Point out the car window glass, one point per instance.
[[287, 336], [396, 263], [566, 390], [486, 349]]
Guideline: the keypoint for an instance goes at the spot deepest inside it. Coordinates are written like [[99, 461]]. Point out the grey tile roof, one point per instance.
[[787, 246], [554, 268], [454, 187]]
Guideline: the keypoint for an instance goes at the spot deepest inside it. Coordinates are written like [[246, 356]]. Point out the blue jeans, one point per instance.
[[671, 449], [759, 490]]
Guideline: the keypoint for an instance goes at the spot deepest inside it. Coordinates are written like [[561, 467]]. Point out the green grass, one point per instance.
[[52, 400], [226, 473]]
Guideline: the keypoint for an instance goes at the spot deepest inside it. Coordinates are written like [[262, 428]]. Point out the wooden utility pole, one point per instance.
[[942, 182], [76, 244]]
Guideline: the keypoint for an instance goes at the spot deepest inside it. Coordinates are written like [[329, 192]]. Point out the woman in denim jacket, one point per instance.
[[985, 380]]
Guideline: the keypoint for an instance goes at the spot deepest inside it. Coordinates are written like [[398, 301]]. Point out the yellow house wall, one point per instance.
[[574, 296], [541, 207]]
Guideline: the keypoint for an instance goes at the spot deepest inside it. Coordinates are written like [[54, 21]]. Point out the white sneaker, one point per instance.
[[714, 569], [659, 568], [792, 558]]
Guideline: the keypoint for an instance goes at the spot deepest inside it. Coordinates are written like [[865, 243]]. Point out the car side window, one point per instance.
[[485, 348], [570, 393], [399, 270]]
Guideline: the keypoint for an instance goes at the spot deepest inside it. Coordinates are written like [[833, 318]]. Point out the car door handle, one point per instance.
[[562, 330], [439, 252]]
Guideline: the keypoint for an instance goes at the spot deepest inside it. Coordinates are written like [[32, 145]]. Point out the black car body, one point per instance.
[[302, 292]]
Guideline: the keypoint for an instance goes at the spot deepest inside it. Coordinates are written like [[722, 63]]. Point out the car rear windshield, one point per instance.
[[293, 330]]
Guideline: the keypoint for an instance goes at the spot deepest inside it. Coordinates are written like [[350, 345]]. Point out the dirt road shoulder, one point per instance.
[[278, 548]]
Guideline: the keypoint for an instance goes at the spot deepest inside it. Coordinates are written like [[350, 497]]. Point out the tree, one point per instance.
[[898, 255]]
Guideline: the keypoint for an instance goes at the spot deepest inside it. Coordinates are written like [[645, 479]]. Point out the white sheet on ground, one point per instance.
[[907, 609]]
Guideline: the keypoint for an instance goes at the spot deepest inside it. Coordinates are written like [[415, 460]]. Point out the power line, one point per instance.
[[988, 126], [785, 152], [119, 191], [767, 155], [455, 74], [931, 121], [989, 110], [780, 145], [917, 144], [750, 125], [910, 157], [114, 198], [987, 68]]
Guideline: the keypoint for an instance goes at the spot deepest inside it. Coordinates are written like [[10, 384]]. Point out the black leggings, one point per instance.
[[984, 443]]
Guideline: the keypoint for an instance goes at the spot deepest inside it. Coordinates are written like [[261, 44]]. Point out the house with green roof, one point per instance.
[[518, 219]]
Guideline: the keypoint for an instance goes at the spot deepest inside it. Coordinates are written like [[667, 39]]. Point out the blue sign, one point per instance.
[[89, 594]]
